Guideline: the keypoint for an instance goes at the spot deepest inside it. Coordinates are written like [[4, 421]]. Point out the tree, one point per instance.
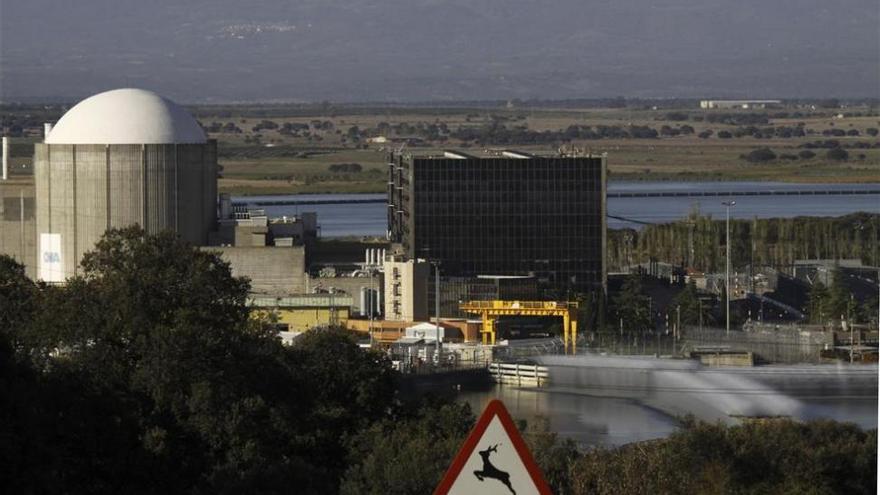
[[775, 456], [837, 154], [725, 134], [872, 131], [351, 168], [677, 116], [818, 305], [692, 311], [407, 454], [867, 311], [156, 379], [760, 155], [553, 455], [806, 154], [18, 300], [839, 297], [631, 306]]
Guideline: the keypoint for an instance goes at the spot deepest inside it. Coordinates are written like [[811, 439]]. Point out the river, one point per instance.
[[603, 421], [611, 401], [337, 220]]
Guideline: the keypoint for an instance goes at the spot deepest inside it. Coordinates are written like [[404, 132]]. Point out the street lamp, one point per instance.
[[727, 204], [436, 265], [437, 305]]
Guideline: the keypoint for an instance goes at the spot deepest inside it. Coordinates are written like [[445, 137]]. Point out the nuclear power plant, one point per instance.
[[523, 224], [119, 158]]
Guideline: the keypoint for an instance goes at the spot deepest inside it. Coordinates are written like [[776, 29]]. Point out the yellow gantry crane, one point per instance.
[[489, 311]]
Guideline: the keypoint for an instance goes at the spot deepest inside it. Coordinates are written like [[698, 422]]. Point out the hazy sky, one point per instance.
[[386, 50]]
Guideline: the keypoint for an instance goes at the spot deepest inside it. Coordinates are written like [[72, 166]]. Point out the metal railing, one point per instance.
[[519, 374], [519, 305]]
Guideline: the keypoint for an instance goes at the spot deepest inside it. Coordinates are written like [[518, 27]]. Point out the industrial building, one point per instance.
[[244, 225], [276, 271], [18, 205], [743, 104], [406, 290], [130, 156], [122, 157], [504, 213], [304, 312], [17, 221]]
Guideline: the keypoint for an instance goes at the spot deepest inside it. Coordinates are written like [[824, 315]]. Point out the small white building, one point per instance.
[[425, 332]]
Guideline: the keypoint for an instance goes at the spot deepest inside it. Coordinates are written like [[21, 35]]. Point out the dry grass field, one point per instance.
[[270, 162]]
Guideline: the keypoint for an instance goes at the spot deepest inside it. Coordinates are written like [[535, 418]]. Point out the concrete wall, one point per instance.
[[82, 190], [785, 345], [272, 270], [726, 359], [18, 222]]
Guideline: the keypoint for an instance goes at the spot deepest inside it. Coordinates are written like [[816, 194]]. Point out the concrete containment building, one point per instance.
[[119, 158]]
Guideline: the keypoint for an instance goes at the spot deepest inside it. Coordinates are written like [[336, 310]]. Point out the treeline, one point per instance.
[[148, 374], [237, 151], [496, 133], [775, 456], [762, 155], [699, 241]]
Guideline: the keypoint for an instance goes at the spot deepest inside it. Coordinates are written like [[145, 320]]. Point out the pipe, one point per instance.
[[47, 129]]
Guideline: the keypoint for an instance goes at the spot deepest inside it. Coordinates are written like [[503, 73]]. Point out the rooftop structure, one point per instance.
[[247, 225], [126, 116]]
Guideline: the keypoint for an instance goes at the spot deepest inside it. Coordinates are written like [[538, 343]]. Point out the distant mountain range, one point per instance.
[[404, 50]]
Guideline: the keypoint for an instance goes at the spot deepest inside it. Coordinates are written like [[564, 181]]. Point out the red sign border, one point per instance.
[[495, 408]]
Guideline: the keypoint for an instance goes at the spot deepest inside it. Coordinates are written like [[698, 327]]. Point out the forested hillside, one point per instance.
[[699, 241]]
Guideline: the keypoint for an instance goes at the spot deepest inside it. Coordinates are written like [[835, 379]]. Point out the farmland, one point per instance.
[[264, 153]]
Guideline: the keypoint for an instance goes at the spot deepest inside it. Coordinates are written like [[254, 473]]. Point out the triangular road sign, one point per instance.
[[493, 460]]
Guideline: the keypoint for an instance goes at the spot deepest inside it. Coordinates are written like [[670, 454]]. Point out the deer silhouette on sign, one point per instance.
[[490, 471]]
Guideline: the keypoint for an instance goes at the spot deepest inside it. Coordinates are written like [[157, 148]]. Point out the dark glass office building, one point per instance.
[[503, 214]]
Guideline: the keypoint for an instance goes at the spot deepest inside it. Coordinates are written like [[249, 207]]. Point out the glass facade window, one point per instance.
[[537, 216]]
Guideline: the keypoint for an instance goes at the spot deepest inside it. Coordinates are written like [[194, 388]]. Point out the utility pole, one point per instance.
[[851, 327], [728, 204], [437, 306], [700, 306], [651, 325], [850, 340], [678, 322], [436, 264]]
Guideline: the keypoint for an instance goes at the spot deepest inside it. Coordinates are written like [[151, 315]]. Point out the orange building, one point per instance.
[[386, 331]]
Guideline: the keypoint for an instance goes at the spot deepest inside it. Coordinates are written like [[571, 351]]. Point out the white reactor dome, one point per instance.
[[126, 116]]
